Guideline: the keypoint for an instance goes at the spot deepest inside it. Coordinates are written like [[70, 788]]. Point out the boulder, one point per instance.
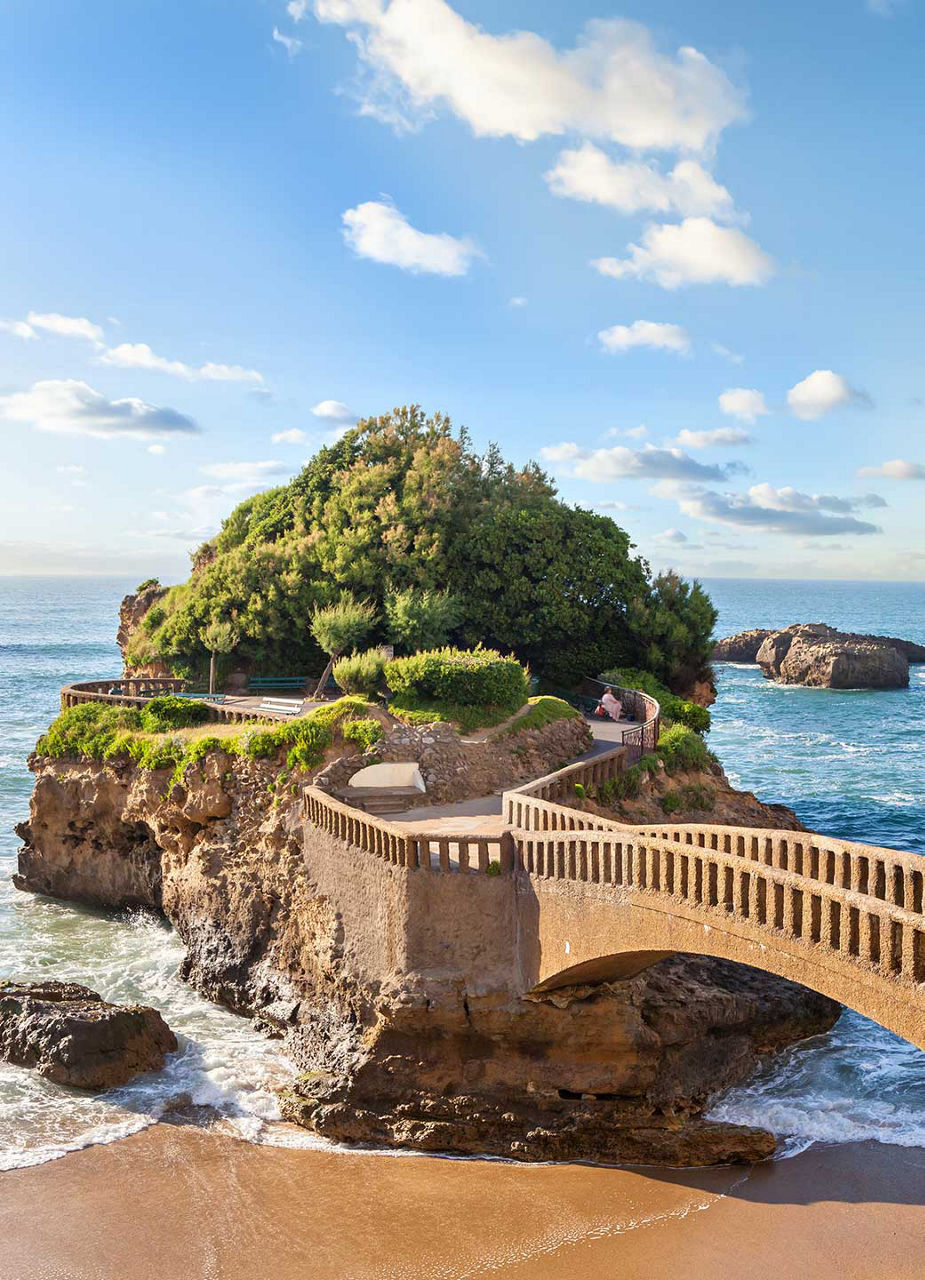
[[818, 656], [70, 1035]]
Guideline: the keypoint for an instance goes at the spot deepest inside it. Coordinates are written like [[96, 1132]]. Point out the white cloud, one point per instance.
[[291, 44], [156, 448], [743, 403], [620, 462], [74, 408], [632, 433], [18, 329], [896, 469], [297, 9], [712, 439], [138, 355], [732, 356], [379, 231], [611, 506], [422, 56], [775, 510], [587, 173], [645, 333], [695, 251], [335, 410], [65, 326], [672, 535], [293, 436], [71, 469], [517, 302], [818, 394]]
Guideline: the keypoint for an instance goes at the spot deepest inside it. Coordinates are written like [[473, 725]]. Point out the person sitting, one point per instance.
[[612, 706]]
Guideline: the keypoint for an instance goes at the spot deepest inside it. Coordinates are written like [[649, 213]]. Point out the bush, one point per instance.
[[413, 709], [361, 673], [88, 729], [420, 619], [166, 712], [681, 749], [363, 732], [146, 585], [467, 677]]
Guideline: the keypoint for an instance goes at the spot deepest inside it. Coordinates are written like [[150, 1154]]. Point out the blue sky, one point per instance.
[[670, 251]]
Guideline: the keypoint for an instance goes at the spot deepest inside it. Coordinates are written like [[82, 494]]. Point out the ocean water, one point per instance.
[[52, 631], [845, 761], [850, 763]]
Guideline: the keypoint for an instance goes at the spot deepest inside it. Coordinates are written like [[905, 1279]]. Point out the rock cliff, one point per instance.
[[820, 656], [426, 1059]]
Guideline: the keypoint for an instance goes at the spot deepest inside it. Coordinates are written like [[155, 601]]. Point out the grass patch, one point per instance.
[[540, 712], [99, 731], [412, 708]]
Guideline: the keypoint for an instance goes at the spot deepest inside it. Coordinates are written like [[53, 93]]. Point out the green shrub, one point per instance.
[[698, 797], [146, 585], [671, 801], [468, 677], [88, 729], [166, 712], [681, 749], [361, 672], [363, 732]]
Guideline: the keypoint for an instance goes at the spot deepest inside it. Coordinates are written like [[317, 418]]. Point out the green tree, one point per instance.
[[217, 637], [674, 622], [420, 619], [341, 626]]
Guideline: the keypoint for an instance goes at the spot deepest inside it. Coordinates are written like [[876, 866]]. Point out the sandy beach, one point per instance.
[[177, 1203]]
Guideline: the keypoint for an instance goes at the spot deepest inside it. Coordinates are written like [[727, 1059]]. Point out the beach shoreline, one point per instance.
[[181, 1203]]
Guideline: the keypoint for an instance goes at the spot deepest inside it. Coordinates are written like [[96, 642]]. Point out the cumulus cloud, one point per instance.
[[291, 44], [423, 56], [72, 407], [695, 251], [379, 231], [298, 9], [896, 469], [672, 535], [138, 355], [18, 329], [820, 393], [65, 326], [645, 333], [712, 439], [517, 302], [620, 462], [743, 403], [587, 173], [784, 511], [334, 410], [293, 436]]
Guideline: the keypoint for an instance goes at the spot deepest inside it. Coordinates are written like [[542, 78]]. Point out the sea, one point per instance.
[[848, 763]]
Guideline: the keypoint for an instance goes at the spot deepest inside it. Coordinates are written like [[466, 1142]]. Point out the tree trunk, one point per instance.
[[319, 687], [211, 673]]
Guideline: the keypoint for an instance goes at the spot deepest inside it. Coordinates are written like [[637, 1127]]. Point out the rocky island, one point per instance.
[[819, 656]]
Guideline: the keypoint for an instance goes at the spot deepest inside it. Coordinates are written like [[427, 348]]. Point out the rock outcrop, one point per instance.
[[70, 1035], [820, 656], [427, 1059]]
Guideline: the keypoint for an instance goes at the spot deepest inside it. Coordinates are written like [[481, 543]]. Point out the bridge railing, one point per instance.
[[857, 927], [885, 874], [541, 800], [395, 843]]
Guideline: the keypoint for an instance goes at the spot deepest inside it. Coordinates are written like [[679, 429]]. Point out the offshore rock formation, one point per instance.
[[278, 925], [71, 1036], [819, 656]]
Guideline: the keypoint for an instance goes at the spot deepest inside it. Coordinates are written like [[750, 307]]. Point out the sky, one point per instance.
[[669, 251]]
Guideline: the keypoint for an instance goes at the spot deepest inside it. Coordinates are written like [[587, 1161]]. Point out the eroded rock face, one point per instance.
[[131, 614], [820, 656], [70, 1035], [447, 1058]]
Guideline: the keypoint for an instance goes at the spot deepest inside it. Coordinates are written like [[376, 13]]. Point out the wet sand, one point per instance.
[[177, 1203]]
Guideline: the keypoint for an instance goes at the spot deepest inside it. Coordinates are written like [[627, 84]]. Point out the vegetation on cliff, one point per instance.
[[445, 545]]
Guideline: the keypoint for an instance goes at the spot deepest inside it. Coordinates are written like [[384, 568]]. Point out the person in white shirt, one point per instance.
[[613, 706]]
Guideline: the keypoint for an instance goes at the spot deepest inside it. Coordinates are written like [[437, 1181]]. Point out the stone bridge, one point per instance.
[[563, 897]]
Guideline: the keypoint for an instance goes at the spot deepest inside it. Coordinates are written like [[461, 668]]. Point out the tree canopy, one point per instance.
[[402, 503]]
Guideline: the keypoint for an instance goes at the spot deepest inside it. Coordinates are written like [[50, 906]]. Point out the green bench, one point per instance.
[[278, 682]]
